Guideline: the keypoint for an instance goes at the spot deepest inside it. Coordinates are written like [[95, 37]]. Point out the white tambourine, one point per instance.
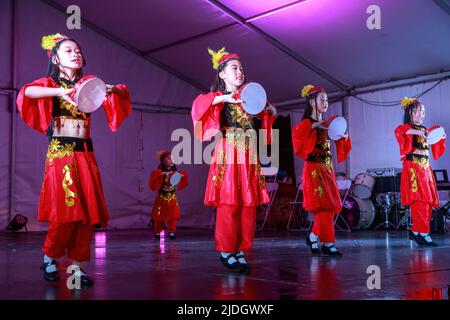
[[175, 178], [89, 93], [435, 135], [337, 128], [253, 96]]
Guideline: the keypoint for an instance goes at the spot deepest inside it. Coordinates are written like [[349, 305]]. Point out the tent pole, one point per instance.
[[346, 113], [12, 160]]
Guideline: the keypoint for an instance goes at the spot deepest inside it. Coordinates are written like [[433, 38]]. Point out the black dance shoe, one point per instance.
[[327, 251], [157, 236], [50, 276], [232, 266], [85, 280], [172, 235], [416, 238], [425, 242], [244, 267], [310, 243]]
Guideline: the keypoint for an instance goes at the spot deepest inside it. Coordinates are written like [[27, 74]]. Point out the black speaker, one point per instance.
[[387, 184]]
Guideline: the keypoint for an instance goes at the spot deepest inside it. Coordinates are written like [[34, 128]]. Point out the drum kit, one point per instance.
[[358, 209]]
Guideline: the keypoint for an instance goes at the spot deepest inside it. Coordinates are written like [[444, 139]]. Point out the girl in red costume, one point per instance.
[[166, 208], [235, 185], [418, 186], [320, 192], [71, 198]]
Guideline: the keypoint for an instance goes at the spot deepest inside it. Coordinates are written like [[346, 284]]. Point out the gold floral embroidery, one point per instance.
[[67, 181], [413, 179], [56, 150], [262, 180], [239, 116], [421, 161], [319, 191], [220, 161], [326, 145], [168, 196], [63, 104]]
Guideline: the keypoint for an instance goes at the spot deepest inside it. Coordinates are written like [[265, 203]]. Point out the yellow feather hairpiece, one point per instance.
[[49, 42], [407, 101], [216, 56], [306, 89]]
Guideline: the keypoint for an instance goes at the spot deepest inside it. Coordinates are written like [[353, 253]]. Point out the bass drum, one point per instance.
[[358, 213]]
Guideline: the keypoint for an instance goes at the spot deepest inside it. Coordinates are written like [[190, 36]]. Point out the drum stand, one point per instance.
[[386, 223], [405, 220], [336, 226]]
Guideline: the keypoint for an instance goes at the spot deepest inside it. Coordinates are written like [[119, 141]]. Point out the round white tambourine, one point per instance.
[[89, 93], [175, 178], [337, 128], [435, 135], [254, 98]]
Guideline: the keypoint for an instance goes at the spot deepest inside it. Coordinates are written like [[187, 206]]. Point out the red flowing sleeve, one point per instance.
[[156, 180], [404, 140], [205, 116], [303, 138], [184, 180], [267, 120], [117, 106], [343, 148], [438, 148], [36, 113]]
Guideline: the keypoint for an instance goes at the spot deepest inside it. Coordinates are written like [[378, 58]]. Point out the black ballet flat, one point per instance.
[[85, 280], [232, 266], [50, 276], [425, 242], [310, 243], [172, 236], [327, 251], [416, 238], [244, 267], [157, 236]]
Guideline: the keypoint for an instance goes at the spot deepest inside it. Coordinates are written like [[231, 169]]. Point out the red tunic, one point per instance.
[[417, 179], [234, 176], [320, 192], [72, 189], [165, 206]]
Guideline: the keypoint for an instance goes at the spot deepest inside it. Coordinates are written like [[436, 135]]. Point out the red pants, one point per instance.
[[324, 226], [421, 216], [171, 225], [235, 228], [73, 238]]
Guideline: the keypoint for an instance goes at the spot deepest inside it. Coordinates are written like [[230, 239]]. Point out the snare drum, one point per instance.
[[363, 185], [358, 213], [253, 96], [388, 199], [89, 93]]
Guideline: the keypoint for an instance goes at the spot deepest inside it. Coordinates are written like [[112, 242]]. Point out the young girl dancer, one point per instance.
[[235, 185], [166, 208], [320, 193], [71, 198], [418, 186]]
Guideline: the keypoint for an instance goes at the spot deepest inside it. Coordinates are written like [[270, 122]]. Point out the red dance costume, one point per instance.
[[71, 198], [235, 185], [418, 186], [165, 207], [320, 192]]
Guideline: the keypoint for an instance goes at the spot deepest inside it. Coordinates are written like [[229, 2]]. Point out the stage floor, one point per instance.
[[131, 265]]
